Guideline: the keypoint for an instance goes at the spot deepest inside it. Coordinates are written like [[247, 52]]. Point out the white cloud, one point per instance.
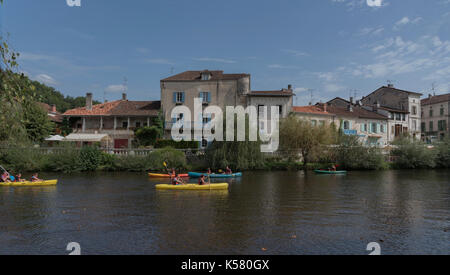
[[116, 88], [216, 60], [46, 79], [295, 53], [279, 66], [406, 21]]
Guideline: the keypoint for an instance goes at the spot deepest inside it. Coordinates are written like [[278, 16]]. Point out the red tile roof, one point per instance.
[[283, 92], [313, 109], [54, 116], [436, 99], [119, 108], [196, 76], [357, 111]]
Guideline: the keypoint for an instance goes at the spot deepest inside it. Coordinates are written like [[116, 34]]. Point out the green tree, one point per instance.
[[147, 136], [300, 136], [351, 154], [443, 154], [412, 154]]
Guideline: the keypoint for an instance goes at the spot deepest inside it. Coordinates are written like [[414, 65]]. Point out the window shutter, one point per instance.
[[362, 128], [174, 97], [350, 125], [378, 128], [182, 97], [209, 96], [370, 127], [200, 95]]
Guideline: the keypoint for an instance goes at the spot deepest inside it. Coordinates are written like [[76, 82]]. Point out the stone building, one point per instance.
[[117, 119], [435, 117]]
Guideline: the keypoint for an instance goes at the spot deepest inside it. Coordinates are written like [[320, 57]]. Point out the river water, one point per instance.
[[406, 212]]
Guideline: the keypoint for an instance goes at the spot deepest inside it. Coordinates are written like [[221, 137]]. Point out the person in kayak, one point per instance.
[[19, 178], [201, 181], [34, 178], [174, 173], [228, 171], [5, 177], [333, 168], [177, 181], [209, 171]]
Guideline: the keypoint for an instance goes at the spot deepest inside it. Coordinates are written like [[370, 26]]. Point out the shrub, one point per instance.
[[174, 159], [147, 136], [352, 155], [412, 154], [89, 158], [163, 143], [443, 154]]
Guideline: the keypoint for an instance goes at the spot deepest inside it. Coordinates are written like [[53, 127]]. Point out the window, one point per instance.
[[381, 128], [365, 127], [280, 110], [206, 97], [261, 111], [423, 127], [125, 124], [431, 112], [138, 124], [414, 110], [442, 110], [346, 125], [314, 122], [206, 76], [398, 116], [178, 97], [414, 125], [374, 128], [403, 117], [442, 125], [145, 124], [431, 126]]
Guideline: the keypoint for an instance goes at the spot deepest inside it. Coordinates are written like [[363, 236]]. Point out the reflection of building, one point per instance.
[[53, 115], [117, 119], [436, 117], [402, 107]]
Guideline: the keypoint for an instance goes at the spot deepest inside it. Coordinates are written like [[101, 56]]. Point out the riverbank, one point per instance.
[[70, 159]]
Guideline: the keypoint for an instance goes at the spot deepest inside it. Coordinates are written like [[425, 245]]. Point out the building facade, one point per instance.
[[402, 108], [435, 117], [117, 119]]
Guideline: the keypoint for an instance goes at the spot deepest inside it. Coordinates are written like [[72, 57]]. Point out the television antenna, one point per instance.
[[311, 93]]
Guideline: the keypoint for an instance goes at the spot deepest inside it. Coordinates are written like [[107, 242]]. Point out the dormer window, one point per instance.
[[206, 76]]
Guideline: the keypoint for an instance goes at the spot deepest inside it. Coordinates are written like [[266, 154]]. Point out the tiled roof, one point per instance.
[[436, 99], [271, 93], [196, 76], [392, 89], [357, 111], [313, 109], [54, 116], [119, 108]]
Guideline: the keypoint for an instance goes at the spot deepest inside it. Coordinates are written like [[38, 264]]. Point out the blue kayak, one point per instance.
[[330, 172], [214, 176]]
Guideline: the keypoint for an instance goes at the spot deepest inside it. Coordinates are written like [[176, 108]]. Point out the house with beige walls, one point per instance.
[[435, 117], [216, 88]]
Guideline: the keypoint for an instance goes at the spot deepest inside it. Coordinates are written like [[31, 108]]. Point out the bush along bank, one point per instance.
[[71, 160]]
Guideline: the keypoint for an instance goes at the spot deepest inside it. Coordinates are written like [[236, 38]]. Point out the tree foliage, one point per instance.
[[351, 154], [300, 136], [147, 136], [412, 154]]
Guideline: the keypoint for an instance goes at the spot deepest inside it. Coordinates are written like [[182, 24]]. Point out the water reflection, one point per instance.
[[262, 213]]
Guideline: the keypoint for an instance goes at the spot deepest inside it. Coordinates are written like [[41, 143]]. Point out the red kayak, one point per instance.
[[153, 175]]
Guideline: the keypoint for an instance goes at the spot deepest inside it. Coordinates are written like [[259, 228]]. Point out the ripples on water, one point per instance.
[[407, 212]]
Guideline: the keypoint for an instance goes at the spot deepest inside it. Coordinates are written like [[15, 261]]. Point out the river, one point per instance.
[[265, 213]]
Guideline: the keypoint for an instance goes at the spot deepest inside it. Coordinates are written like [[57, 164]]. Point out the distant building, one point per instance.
[[55, 116], [435, 117], [218, 89], [117, 119], [370, 127], [402, 108]]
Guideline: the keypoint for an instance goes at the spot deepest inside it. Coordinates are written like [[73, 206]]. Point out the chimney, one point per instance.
[[351, 100], [53, 108], [89, 101], [390, 85], [430, 96], [124, 96], [325, 107], [350, 108], [290, 87]]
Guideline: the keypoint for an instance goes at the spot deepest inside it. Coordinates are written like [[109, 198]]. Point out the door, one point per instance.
[[120, 143]]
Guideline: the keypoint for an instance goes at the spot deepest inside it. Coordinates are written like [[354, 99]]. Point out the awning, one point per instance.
[[87, 137], [54, 138]]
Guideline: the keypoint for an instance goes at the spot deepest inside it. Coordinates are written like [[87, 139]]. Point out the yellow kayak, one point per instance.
[[30, 184], [215, 186]]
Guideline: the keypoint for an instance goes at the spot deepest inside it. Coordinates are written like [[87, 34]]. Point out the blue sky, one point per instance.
[[335, 47]]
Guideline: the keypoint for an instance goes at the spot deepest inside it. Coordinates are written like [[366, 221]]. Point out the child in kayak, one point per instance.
[[201, 181], [228, 171], [19, 178], [177, 181], [34, 178]]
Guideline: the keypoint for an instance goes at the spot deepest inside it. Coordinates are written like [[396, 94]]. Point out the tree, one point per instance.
[[351, 154], [147, 136], [412, 154], [298, 135], [37, 123]]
